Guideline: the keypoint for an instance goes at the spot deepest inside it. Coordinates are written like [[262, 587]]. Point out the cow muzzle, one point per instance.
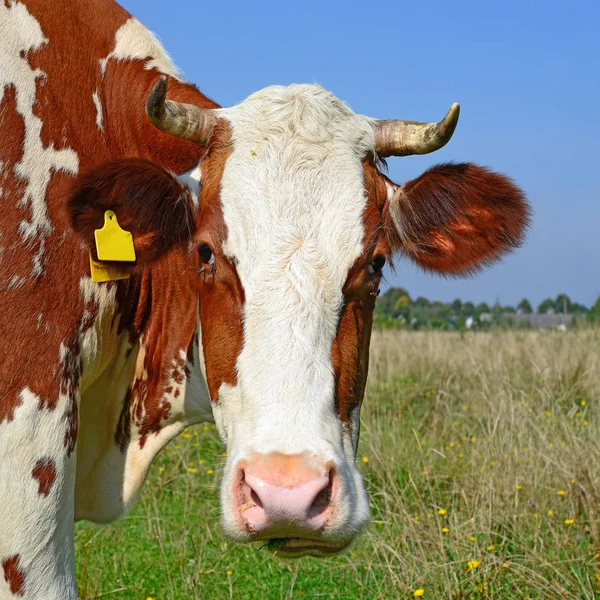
[[289, 500]]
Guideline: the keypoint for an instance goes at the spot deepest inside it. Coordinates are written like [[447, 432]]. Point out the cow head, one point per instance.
[[286, 236]]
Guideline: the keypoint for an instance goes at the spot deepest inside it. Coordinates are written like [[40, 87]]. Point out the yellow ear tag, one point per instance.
[[105, 271], [112, 242]]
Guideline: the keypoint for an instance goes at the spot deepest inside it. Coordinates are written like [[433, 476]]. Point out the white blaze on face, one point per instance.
[[293, 197]]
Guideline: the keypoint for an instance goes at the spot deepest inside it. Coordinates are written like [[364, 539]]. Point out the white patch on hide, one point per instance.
[[134, 41], [20, 33], [98, 105], [99, 341], [191, 179]]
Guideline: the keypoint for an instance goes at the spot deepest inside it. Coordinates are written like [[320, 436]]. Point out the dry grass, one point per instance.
[[481, 455]]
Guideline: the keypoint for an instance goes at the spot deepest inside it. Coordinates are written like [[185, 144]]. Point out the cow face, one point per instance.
[[292, 228]]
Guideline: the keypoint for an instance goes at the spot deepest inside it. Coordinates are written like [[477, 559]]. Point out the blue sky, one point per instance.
[[527, 75]]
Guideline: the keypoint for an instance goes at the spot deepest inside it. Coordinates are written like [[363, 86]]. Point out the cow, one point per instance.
[[260, 232]]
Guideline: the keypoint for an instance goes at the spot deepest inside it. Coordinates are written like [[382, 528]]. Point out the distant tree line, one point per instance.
[[396, 308]]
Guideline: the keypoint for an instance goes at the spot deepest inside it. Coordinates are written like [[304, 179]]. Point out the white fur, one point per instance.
[[98, 105], [293, 197], [134, 41], [37, 528], [21, 33], [191, 179]]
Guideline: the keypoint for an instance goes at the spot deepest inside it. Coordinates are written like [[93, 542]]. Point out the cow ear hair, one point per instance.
[[148, 201], [456, 219]]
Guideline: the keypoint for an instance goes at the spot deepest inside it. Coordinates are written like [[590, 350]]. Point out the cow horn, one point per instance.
[[185, 121], [403, 138]]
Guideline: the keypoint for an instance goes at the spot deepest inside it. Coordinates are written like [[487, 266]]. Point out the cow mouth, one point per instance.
[[297, 547]]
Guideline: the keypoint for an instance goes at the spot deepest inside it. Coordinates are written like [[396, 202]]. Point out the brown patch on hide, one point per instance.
[[221, 292], [45, 473], [350, 349], [14, 574], [8, 405]]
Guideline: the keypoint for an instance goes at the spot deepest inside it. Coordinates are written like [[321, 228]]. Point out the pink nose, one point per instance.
[[285, 494]]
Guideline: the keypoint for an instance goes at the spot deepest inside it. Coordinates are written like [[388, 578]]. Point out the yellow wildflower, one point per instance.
[[418, 593], [583, 403], [445, 530], [472, 539], [230, 573], [473, 564], [561, 493], [191, 470], [550, 513], [519, 487], [365, 459], [442, 511], [569, 521], [209, 472], [491, 548]]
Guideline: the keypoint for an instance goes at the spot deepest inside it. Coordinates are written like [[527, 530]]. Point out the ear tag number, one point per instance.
[[112, 242]]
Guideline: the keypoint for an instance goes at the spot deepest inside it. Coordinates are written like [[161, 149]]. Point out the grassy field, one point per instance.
[[481, 453]]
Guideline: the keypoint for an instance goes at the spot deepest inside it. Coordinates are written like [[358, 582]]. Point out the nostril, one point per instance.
[[249, 496], [322, 499], [254, 498]]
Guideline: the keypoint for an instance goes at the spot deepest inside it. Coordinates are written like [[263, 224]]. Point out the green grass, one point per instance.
[[478, 447]]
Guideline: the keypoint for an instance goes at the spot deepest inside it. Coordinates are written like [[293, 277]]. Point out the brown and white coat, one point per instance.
[[259, 253]]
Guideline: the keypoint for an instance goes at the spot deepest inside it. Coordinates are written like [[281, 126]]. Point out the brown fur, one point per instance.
[[45, 473], [350, 349], [14, 575], [148, 201], [221, 293], [459, 218]]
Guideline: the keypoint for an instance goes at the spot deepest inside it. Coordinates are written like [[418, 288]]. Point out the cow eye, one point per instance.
[[207, 258], [376, 265]]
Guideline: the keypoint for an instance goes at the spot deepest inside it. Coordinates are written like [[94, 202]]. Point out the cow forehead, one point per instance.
[[292, 189]]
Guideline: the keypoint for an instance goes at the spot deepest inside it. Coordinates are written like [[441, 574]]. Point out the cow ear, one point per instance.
[[148, 201], [457, 218]]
